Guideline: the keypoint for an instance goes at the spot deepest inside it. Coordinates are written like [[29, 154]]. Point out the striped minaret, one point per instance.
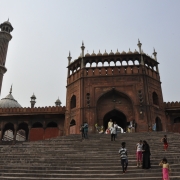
[[5, 37]]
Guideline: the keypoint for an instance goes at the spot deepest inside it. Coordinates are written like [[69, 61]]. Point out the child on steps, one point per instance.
[[165, 169]]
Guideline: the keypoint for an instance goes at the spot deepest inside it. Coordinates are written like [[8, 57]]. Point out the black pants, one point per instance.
[[124, 163], [113, 137]]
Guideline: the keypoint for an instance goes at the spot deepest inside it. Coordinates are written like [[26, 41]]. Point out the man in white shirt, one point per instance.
[[113, 132]]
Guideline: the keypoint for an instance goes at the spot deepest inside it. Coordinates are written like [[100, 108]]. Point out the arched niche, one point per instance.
[[155, 98], [73, 102], [72, 126], [177, 120], [37, 125], [52, 124], [158, 124], [73, 122]]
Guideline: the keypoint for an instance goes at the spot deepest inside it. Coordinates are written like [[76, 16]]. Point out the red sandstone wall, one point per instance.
[[37, 134], [50, 133]]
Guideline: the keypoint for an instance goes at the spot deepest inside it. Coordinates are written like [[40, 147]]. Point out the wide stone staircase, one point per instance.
[[69, 157]]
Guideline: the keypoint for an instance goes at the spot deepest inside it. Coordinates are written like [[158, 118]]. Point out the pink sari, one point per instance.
[[165, 173]]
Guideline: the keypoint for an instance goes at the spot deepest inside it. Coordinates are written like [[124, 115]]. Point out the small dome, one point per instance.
[[93, 54], [111, 53], [7, 22], [9, 101], [123, 52], [105, 53], [129, 52], [99, 53], [33, 96], [79, 56], [87, 54], [117, 53], [136, 52], [58, 102]]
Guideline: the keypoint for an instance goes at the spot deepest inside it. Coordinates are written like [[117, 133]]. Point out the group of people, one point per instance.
[[143, 157], [84, 130], [112, 129]]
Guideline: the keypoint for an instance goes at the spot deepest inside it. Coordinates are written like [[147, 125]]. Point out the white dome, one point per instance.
[[9, 102]]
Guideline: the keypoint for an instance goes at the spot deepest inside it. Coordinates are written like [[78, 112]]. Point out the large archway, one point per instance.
[[117, 117]]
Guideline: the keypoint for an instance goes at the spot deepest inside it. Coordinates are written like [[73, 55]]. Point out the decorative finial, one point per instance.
[[117, 50], [82, 43], [69, 54], [10, 90]]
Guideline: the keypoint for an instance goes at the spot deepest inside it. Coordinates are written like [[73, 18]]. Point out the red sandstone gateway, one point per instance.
[[124, 87]]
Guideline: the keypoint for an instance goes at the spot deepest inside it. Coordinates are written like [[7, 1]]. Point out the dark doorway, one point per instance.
[[117, 116], [158, 124]]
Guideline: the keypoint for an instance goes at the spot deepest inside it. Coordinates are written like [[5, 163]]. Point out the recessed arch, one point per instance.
[[158, 124], [116, 116], [52, 124], [37, 125], [177, 120], [155, 98], [73, 102], [73, 122]]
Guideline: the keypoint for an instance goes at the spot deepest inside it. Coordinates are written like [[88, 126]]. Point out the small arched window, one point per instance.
[[177, 120], [73, 123], [73, 102], [155, 99]]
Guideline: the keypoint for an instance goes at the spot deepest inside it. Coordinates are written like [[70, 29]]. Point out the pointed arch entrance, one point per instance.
[[117, 117]]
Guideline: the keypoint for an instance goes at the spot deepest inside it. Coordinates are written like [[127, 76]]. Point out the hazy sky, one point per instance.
[[46, 30]]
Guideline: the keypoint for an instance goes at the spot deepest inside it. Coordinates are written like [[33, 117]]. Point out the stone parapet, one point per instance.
[[35, 110], [172, 104]]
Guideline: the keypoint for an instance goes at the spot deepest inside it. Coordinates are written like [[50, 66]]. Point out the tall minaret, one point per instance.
[[5, 37]]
